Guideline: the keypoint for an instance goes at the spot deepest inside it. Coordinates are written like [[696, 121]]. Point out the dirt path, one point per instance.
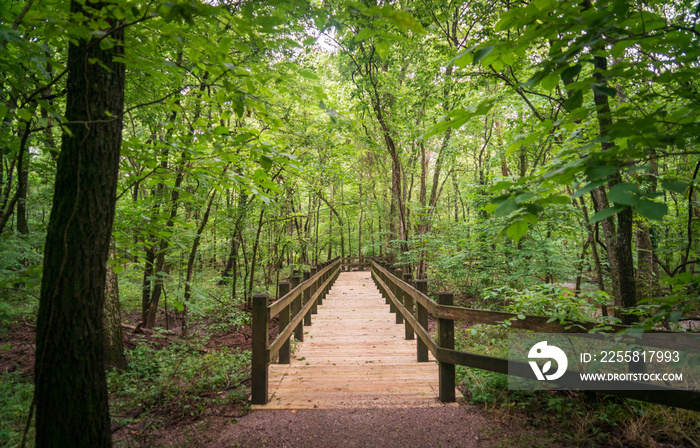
[[456, 426]]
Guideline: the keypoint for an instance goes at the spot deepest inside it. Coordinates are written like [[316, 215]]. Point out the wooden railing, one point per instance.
[[297, 301], [350, 263], [401, 293]]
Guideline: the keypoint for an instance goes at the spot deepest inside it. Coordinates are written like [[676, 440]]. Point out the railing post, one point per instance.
[[385, 278], [377, 275], [398, 293], [323, 279], [408, 303], [392, 287], [307, 297], [312, 290], [328, 275], [320, 284], [422, 316], [284, 354], [260, 355], [296, 307], [446, 339]]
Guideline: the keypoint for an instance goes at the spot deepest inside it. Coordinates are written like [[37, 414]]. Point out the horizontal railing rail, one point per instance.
[[399, 292]]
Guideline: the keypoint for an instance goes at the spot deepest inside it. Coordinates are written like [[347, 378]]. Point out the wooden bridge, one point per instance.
[[355, 347]]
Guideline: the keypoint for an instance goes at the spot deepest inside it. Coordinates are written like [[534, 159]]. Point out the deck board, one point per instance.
[[354, 355]]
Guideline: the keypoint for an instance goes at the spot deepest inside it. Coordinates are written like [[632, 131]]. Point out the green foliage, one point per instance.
[[555, 301], [180, 374], [225, 318], [579, 418], [16, 391], [684, 299]]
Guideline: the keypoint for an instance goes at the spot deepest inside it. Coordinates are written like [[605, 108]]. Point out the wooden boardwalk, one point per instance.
[[354, 355]]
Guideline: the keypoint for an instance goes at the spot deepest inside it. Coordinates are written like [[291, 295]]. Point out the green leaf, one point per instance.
[[571, 72], [500, 185], [3, 111], [595, 172], [674, 185], [624, 193], [265, 162], [220, 130], [651, 210], [602, 89], [517, 230], [482, 53], [308, 74], [118, 268], [550, 82], [530, 219], [524, 197], [24, 114], [463, 58], [534, 209], [604, 214], [106, 44], [558, 199], [574, 101], [590, 186], [506, 207]]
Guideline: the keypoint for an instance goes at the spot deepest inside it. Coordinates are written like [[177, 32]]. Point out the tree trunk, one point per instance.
[[231, 261], [619, 244], [646, 267], [160, 266], [22, 180], [113, 342], [71, 388], [249, 293], [191, 262]]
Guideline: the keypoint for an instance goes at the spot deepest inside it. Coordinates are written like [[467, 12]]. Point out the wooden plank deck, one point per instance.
[[354, 355]]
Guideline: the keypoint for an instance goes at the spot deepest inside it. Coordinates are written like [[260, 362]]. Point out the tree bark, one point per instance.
[[191, 262], [71, 388], [113, 342], [22, 181], [619, 243], [251, 279]]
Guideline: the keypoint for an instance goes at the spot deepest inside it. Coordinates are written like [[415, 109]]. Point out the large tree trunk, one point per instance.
[[71, 388]]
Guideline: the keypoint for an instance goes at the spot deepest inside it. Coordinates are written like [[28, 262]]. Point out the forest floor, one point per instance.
[[230, 423], [234, 425]]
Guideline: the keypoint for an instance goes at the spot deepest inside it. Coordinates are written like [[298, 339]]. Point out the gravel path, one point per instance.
[[462, 426]]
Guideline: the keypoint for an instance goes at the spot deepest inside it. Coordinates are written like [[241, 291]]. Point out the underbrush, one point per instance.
[[547, 300], [574, 418], [15, 398]]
